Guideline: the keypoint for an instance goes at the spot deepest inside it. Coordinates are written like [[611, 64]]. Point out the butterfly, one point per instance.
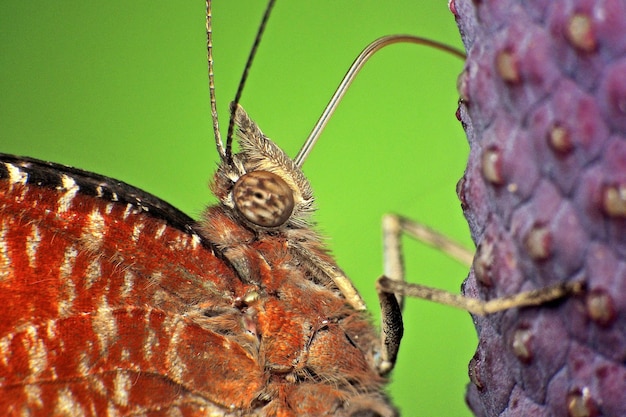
[[370, 276]]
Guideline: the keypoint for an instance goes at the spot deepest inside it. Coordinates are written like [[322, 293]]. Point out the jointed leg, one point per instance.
[[393, 283]]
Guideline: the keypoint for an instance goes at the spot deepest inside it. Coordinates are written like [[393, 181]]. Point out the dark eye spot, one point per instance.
[[263, 198]]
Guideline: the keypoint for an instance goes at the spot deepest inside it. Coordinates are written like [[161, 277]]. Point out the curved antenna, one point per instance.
[[356, 66], [209, 48], [244, 77]]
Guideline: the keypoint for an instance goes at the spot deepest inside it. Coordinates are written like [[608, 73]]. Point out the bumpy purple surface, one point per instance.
[[543, 103]]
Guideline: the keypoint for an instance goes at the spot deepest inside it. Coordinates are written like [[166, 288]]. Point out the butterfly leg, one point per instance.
[[393, 282]]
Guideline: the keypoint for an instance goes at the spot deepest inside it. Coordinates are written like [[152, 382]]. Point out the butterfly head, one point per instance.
[[261, 184]]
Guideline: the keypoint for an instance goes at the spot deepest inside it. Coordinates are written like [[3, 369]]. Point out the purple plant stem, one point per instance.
[[543, 103]]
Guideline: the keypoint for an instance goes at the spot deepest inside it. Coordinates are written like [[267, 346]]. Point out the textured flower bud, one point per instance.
[[544, 192]]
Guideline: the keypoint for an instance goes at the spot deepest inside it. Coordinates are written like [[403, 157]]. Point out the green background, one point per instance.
[[120, 88]]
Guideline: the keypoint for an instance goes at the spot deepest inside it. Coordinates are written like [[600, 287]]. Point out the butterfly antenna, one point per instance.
[[244, 77], [209, 47], [356, 66]]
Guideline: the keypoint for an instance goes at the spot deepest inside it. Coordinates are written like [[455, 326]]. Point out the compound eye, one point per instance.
[[263, 198]]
